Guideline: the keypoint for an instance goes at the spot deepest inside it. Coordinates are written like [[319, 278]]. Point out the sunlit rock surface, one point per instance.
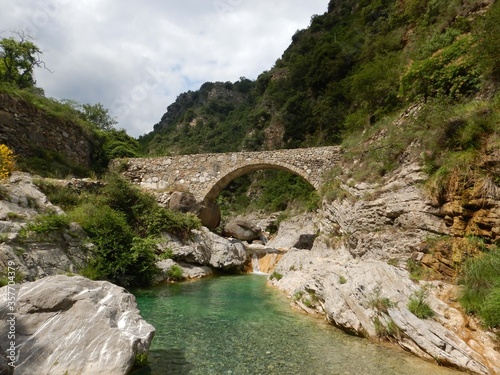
[[72, 325]]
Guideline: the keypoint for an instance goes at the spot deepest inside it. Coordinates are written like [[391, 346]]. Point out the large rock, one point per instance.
[[183, 202], [370, 298], [243, 230], [208, 249], [299, 232], [72, 325], [209, 215]]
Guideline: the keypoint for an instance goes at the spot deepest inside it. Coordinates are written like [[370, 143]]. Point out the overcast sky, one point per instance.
[[135, 57]]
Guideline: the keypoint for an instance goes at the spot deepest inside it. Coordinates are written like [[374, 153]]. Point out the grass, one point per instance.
[[481, 293], [419, 306], [379, 303], [386, 330]]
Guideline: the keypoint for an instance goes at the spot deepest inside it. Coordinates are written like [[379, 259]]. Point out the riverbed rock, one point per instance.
[[298, 231], [242, 229], [72, 325], [208, 249], [370, 299], [189, 271]]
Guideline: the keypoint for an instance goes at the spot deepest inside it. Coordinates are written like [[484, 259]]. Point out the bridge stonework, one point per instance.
[[206, 175]]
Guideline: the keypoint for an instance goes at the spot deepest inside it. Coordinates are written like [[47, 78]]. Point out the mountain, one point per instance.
[[358, 63]]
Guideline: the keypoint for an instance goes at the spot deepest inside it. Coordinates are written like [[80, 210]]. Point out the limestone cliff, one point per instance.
[[356, 273]]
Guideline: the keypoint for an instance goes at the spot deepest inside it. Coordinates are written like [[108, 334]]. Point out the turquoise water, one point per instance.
[[239, 325]]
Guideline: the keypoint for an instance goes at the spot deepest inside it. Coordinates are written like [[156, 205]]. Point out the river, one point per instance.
[[239, 325]]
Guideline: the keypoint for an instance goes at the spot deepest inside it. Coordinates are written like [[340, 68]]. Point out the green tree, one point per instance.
[[18, 59], [99, 116]]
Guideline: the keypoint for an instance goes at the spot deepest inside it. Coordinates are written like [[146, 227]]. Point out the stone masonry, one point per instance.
[[29, 131], [205, 175]]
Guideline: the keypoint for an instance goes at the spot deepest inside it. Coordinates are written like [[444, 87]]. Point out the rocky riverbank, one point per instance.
[[355, 274], [347, 262]]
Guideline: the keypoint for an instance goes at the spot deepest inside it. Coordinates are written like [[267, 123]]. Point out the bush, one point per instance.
[[62, 196], [108, 229], [174, 273], [7, 162], [160, 220], [450, 72]]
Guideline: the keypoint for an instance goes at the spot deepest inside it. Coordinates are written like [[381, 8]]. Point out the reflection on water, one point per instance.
[[238, 325]]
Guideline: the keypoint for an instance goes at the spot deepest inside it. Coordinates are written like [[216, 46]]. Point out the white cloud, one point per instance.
[[136, 57]]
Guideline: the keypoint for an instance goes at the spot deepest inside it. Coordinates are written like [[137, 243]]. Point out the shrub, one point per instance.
[[160, 220], [379, 303], [47, 223], [142, 254], [418, 306], [449, 72], [109, 231], [7, 162], [174, 273]]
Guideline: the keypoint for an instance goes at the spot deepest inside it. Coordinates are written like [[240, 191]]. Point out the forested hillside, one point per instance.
[[356, 65]]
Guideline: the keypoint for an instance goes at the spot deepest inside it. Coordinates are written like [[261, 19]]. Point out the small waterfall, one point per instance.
[[255, 263]]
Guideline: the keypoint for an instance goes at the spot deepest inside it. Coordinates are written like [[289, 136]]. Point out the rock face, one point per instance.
[[72, 325], [370, 299], [41, 255], [354, 274], [208, 249], [243, 230]]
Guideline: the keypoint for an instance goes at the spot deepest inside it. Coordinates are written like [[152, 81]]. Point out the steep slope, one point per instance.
[[357, 63]]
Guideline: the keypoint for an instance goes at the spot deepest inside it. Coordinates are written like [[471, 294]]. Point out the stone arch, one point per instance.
[[211, 193]]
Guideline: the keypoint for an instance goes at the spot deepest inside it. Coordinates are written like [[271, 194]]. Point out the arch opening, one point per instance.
[[223, 182], [264, 191]]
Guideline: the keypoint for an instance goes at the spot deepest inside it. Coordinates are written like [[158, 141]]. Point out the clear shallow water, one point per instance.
[[239, 325]]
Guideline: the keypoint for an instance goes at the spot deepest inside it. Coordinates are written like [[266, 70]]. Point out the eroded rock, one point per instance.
[[72, 325], [242, 229], [208, 249]]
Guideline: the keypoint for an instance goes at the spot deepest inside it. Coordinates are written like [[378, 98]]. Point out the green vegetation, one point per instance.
[[342, 279], [46, 223], [18, 59], [386, 330], [174, 273], [268, 191], [140, 361], [379, 303], [122, 222], [276, 276], [418, 305], [481, 293], [19, 56]]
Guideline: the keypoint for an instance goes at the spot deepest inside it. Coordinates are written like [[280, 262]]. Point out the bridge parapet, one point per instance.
[[205, 175]]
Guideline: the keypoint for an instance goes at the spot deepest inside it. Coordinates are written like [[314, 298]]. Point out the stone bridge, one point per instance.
[[206, 175]]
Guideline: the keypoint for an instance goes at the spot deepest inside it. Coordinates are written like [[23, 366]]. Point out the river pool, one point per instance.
[[239, 325]]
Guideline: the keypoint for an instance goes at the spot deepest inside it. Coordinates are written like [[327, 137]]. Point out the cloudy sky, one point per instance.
[[135, 57]]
